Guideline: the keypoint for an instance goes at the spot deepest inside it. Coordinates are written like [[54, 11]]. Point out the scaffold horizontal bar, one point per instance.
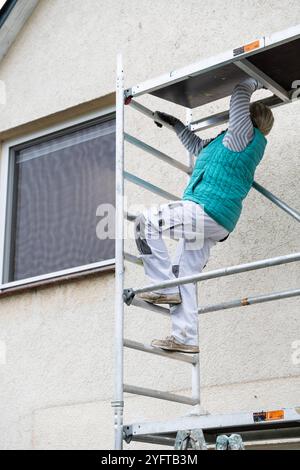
[[149, 186], [190, 359], [155, 439], [241, 268], [159, 439], [160, 395], [223, 117], [249, 301], [156, 153], [278, 202]]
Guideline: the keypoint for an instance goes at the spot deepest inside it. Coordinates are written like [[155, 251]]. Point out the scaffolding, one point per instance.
[[274, 61]]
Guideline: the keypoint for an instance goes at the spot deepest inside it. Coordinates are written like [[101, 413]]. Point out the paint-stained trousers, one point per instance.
[[196, 233]]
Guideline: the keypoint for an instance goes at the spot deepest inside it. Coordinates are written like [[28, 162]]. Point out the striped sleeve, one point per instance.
[[191, 141], [240, 129]]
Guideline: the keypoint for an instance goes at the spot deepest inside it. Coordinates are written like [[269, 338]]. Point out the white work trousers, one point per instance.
[[196, 233]]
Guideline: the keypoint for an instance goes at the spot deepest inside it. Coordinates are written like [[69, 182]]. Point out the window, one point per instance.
[[55, 185]]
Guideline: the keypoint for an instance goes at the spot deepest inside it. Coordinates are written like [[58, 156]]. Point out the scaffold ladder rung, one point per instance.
[[157, 153], [190, 359], [149, 186], [133, 259], [160, 395], [151, 307]]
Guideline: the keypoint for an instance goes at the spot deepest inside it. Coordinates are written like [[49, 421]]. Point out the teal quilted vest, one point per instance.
[[222, 178]]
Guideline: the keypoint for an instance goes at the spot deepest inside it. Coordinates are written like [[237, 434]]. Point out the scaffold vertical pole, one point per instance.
[[196, 390], [118, 403], [196, 366]]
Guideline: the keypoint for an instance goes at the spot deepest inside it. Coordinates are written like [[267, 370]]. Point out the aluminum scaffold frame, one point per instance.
[[162, 433]]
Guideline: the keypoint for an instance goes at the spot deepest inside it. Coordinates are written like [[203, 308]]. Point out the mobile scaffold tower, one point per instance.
[[274, 61]]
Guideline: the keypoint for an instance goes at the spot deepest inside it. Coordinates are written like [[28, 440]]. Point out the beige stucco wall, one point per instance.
[[56, 386]]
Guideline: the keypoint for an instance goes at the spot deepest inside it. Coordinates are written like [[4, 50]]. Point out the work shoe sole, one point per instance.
[[174, 346], [156, 298]]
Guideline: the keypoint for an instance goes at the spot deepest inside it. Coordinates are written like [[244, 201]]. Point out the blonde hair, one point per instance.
[[262, 117]]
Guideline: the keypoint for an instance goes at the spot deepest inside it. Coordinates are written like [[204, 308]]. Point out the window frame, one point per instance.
[[6, 180]]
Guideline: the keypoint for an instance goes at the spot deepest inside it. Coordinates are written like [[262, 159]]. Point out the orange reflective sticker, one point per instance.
[[274, 415], [251, 46], [262, 416]]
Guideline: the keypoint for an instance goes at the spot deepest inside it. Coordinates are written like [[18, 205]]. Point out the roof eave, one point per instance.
[[13, 16]]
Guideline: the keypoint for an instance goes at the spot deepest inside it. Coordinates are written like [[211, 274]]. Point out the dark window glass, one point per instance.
[[58, 185]]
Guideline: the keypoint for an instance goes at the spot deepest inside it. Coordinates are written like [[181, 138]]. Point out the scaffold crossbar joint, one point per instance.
[[128, 296]]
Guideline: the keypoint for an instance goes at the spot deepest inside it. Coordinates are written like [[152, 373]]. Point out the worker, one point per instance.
[[208, 212]]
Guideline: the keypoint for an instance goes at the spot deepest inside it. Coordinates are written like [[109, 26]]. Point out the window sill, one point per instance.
[[55, 280]]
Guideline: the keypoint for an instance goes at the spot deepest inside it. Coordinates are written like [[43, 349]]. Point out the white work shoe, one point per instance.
[[171, 344], [157, 298]]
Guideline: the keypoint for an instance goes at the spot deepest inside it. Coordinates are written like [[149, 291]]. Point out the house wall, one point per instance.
[[57, 383]]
